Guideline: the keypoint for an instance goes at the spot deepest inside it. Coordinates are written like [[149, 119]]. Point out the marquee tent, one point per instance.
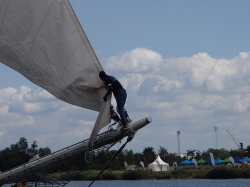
[[201, 161], [226, 160], [186, 162], [218, 161], [237, 160], [159, 165], [245, 159], [208, 161]]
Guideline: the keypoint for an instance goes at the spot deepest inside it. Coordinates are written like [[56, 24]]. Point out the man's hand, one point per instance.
[[105, 99]]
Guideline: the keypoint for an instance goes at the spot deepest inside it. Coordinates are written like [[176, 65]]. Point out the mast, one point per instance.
[[178, 139]]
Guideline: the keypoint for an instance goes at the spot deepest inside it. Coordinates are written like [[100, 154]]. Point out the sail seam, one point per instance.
[[4, 17], [34, 40], [84, 34]]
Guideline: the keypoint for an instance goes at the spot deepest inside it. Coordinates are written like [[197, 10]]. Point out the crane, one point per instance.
[[240, 145]]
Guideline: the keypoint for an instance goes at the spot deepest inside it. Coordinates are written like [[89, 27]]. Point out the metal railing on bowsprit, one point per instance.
[[59, 168]]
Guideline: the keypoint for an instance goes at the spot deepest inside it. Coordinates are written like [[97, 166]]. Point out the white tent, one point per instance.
[[159, 165], [131, 167]]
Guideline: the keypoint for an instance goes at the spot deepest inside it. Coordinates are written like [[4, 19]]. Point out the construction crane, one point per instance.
[[240, 145]]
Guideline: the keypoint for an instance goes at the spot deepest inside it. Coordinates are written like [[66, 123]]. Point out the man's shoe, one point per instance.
[[129, 120], [124, 127]]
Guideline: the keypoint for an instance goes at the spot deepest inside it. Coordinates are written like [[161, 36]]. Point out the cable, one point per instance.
[[113, 157]]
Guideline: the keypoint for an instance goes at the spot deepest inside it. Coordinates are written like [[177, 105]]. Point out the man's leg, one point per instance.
[[125, 112], [121, 97]]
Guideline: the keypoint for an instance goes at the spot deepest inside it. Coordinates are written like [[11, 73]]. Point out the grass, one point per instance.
[[228, 173], [217, 173]]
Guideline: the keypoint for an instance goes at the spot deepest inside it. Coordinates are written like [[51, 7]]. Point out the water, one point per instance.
[[165, 183]]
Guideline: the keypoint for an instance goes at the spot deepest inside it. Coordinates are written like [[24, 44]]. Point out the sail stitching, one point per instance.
[[4, 17], [39, 29], [84, 34]]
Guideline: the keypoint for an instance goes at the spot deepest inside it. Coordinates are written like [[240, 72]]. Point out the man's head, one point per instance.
[[102, 75]]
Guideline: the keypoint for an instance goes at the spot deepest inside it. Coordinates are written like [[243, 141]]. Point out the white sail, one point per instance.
[[142, 164], [195, 162], [212, 158], [232, 160], [43, 40]]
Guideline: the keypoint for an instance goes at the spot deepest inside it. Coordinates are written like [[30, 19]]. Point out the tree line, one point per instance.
[[20, 153], [149, 155]]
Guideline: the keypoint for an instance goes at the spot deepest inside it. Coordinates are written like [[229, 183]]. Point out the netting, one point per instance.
[[63, 166]]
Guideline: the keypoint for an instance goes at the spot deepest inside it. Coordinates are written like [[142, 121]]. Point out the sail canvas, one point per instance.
[[44, 41]]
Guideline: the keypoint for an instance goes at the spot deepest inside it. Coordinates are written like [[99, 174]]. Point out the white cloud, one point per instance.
[[138, 60], [6, 93], [191, 94], [38, 95], [19, 94], [243, 55], [188, 91]]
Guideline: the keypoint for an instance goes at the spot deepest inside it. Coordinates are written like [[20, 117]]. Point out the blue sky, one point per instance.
[[172, 28], [185, 63]]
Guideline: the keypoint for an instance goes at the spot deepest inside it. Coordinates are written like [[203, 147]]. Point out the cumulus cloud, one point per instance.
[[6, 93], [37, 115], [190, 94], [196, 90], [139, 60], [38, 95], [26, 100]]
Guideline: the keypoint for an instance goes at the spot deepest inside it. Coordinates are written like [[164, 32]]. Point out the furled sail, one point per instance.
[[44, 41]]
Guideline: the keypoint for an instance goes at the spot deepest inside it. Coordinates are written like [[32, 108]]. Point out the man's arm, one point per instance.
[[108, 92]]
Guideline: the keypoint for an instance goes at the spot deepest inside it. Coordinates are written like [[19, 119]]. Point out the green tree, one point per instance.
[[138, 158], [163, 152], [17, 154], [44, 151], [247, 151], [190, 153], [33, 150], [14, 155], [148, 156], [236, 153], [171, 158], [198, 155], [129, 157], [22, 145]]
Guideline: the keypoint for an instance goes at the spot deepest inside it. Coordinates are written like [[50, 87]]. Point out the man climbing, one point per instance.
[[119, 93]]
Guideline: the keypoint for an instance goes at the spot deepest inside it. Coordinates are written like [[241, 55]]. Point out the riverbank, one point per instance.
[[221, 173]]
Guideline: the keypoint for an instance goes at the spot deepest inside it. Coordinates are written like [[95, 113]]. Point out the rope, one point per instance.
[[87, 154], [113, 157]]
